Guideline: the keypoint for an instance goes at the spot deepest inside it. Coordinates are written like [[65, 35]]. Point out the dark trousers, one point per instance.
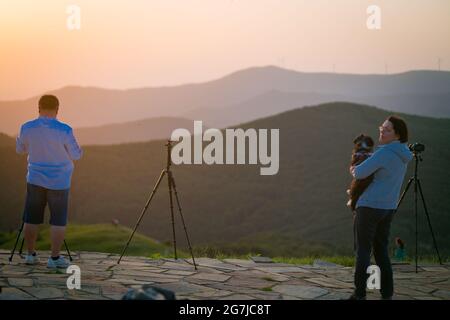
[[37, 199], [371, 229]]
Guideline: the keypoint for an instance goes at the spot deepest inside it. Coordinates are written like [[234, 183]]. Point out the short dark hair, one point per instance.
[[48, 102], [400, 128]]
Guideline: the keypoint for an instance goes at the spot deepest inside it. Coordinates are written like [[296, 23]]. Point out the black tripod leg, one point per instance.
[[417, 230], [68, 251], [415, 206], [142, 214], [169, 174], [429, 221], [404, 192], [65, 244], [21, 246], [182, 219], [17, 240]]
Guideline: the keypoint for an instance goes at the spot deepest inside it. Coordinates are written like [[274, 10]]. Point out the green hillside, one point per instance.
[[97, 238], [299, 211]]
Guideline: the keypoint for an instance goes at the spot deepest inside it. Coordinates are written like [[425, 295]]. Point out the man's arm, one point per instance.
[[369, 166], [21, 146], [72, 147]]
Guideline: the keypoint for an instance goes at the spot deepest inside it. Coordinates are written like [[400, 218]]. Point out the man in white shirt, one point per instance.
[[51, 148]]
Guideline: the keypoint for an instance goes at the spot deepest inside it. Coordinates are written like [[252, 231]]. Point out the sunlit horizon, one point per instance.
[[158, 43]]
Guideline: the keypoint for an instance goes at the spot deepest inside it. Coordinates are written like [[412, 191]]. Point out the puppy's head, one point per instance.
[[363, 143]]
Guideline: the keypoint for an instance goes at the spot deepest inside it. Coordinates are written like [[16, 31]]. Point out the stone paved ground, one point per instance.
[[102, 278]]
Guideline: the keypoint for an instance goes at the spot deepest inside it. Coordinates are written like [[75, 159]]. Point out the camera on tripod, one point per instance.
[[416, 147]]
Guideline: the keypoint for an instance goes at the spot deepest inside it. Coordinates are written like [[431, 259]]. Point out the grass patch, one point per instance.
[[349, 261], [268, 289], [111, 239], [346, 261]]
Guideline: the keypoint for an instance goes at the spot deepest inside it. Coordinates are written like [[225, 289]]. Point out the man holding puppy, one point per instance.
[[51, 148]]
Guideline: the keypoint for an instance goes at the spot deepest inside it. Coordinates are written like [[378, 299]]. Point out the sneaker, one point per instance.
[[31, 259], [58, 263]]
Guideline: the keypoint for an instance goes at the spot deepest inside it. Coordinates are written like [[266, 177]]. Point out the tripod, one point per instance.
[[21, 246], [171, 183], [417, 158]]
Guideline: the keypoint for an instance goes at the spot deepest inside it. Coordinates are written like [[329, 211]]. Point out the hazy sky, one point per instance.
[[136, 43]]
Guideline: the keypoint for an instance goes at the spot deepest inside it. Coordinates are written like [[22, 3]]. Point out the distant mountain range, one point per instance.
[[117, 133], [6, 141], [242, 96], [133, 131], [299, 211]]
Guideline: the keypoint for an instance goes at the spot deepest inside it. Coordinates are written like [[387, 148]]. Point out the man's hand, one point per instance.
[[352, 170]]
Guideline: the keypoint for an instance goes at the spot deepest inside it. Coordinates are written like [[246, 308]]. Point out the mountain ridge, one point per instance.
[[106, 106], [303, 204]]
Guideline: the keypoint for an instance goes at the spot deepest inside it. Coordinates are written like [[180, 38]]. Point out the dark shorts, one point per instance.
[[36, 201]]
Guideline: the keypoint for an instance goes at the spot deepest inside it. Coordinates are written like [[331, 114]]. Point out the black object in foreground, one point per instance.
[[148, 292]]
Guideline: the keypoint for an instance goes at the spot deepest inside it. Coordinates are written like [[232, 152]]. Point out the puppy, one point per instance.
[[363, 147]]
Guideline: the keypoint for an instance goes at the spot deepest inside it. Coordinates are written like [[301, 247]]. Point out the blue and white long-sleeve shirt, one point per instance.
[[51, 148]]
